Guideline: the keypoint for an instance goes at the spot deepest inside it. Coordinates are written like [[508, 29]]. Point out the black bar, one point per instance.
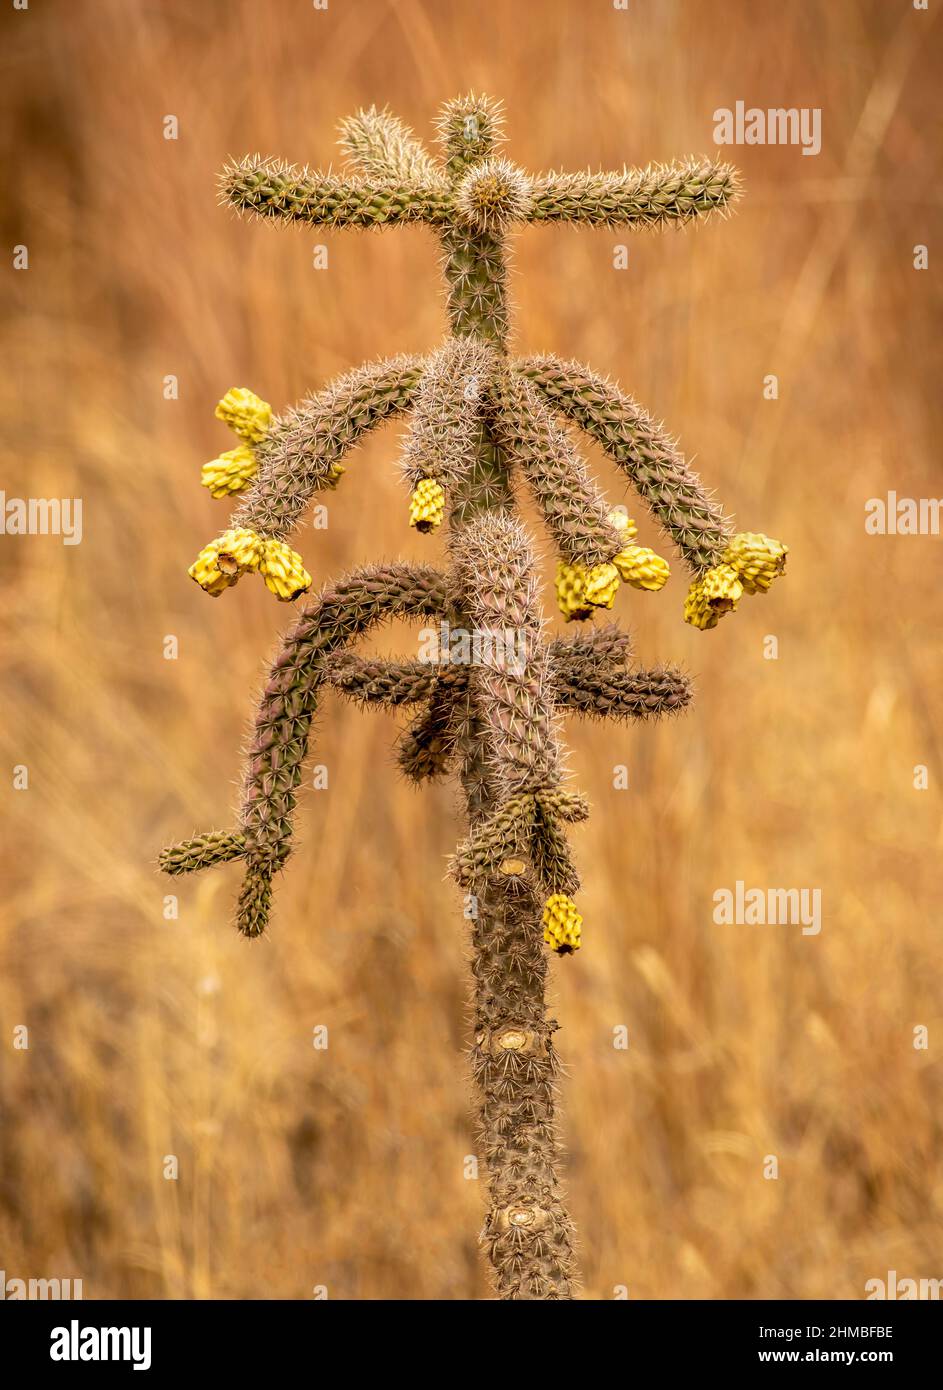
[[259, 1337]]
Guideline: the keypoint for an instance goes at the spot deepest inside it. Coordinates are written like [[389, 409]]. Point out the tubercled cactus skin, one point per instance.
[[482, 425]]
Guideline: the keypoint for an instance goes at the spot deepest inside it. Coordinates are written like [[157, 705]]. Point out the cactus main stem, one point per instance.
[[527, 1232]]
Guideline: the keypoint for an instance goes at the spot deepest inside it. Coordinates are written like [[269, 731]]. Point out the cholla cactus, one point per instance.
[[481, 423]]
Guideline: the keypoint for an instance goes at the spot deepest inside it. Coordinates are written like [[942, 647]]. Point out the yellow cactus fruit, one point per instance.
[[335, 473], [600, 585], [758, 559], [231, 472], [642, 568], [283, 571], [711, 596], [220, 563], [562, 924], [244, 412], [624, 523], [427, 505], [571, 591], [722, 588]]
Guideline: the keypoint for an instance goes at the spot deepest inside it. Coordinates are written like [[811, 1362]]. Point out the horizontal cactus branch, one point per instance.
[[203, 851], [590, 644], [479, 425], [611, 694], [652, 197], [272, 189], [404, 188], [376, 682], [604, 690]]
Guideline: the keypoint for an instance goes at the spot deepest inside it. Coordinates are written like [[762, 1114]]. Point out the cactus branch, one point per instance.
[[651, 197], [271, 189], [374, 682], [380, 146], [445, 428], [574, 510], [280, 741], [303, 448], [644, 451]]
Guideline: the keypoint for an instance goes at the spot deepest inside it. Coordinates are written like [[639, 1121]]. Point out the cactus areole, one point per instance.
[[481, 424]]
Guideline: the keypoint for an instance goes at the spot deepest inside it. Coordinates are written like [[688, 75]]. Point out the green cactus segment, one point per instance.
[[203, 851], [469, 130], [303, 448], [381, 147], [426, 747], [615, 694], [650, 197], [269, 188], [476, 277], [643, 450]]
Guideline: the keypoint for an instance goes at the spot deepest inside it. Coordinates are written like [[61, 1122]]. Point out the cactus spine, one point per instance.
[[480, 421]]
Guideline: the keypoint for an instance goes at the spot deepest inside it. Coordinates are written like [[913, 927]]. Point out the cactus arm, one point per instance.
[[573, 508], [303, 447], [271, 189], [203, 851], [279, 744], [426, 747], [381, 682], [611, 693], [380, 146], [586, 647], [651, 197], [444, 434], [653, 464]]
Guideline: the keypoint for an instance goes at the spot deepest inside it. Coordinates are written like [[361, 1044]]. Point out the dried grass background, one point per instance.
[[149, 1037]]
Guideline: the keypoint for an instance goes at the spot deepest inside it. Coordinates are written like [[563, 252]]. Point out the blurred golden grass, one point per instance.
[[345, 1168]]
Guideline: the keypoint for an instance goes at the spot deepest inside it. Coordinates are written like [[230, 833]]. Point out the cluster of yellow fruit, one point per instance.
[[224, 561], [221, 564], [249, 417], [582, 588], [427, 505], [749, 565], [562, 924]]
